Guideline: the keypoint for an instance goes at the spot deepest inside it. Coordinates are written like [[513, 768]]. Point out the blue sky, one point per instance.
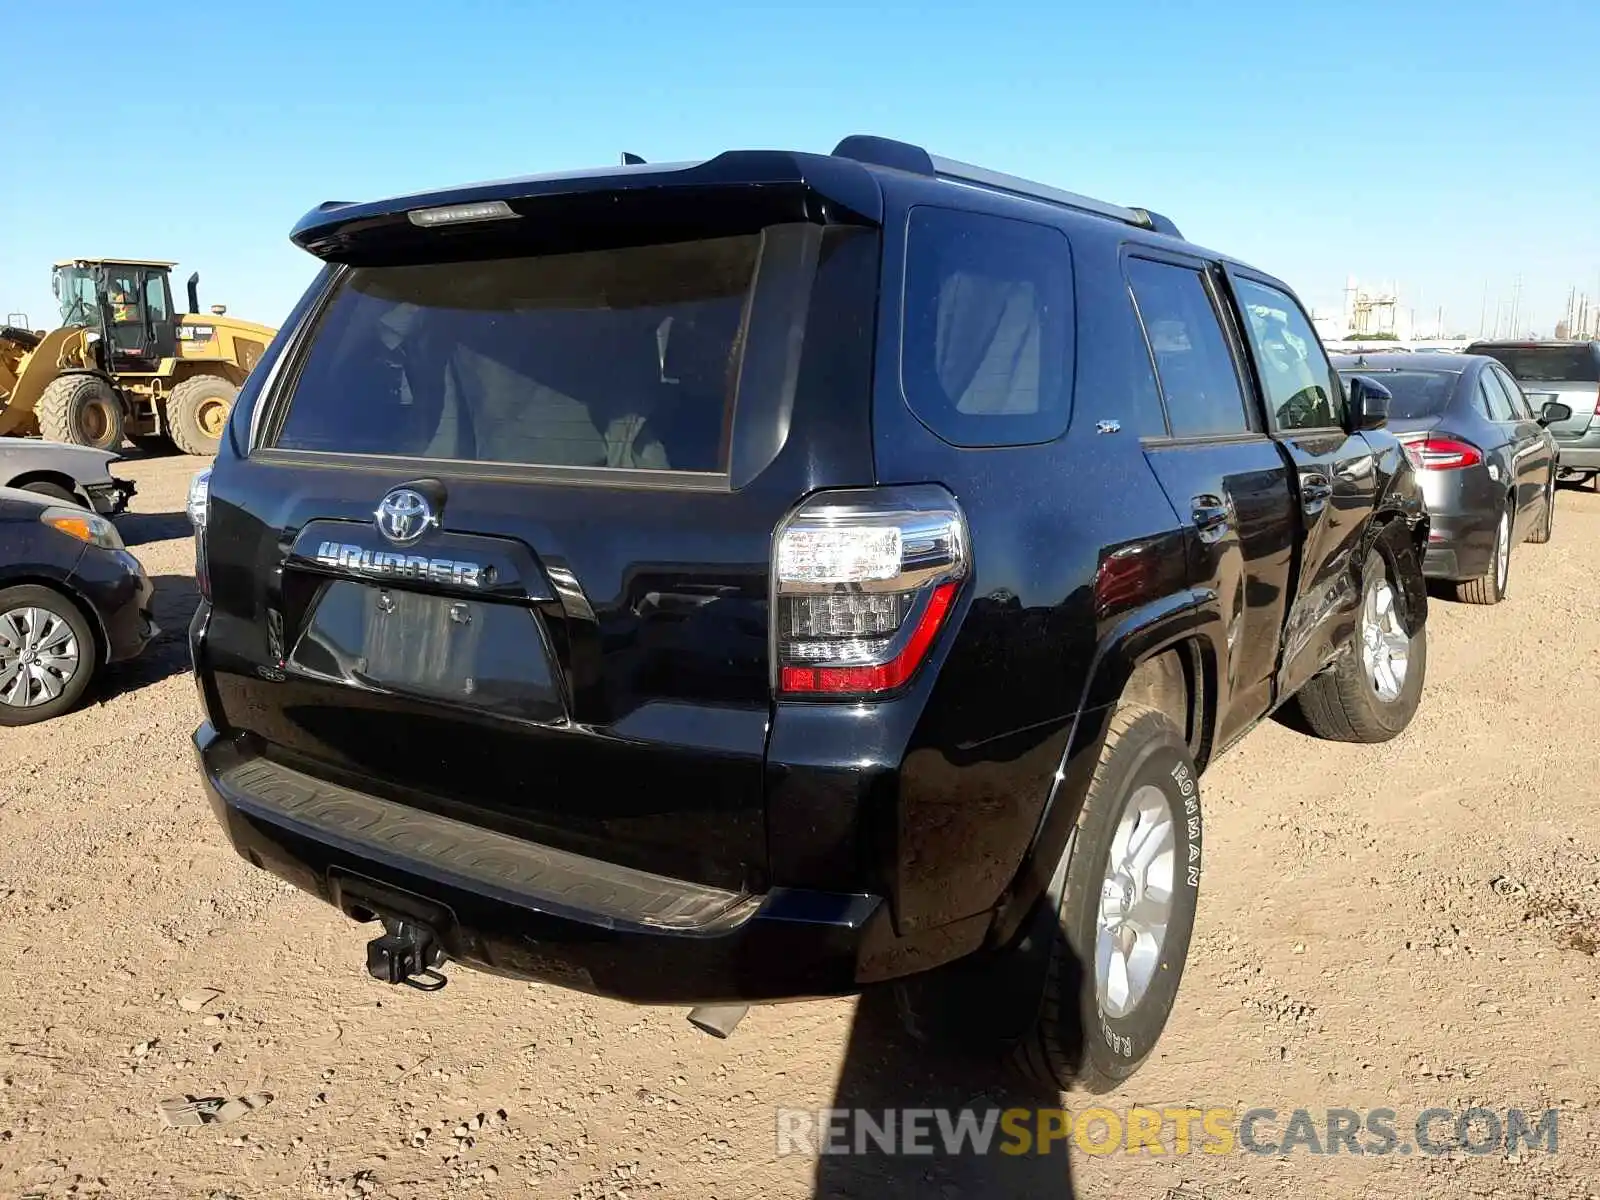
[[1435, 143]]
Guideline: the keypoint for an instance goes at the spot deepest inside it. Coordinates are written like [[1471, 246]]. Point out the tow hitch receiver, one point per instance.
[[406, 953]]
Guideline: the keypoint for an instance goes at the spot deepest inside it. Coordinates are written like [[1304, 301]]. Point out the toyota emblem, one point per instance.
[[404, 515]]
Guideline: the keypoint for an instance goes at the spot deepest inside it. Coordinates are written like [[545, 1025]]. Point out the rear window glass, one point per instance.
[[614, 358], [986, 354], [1547, 364], [1416, 393]]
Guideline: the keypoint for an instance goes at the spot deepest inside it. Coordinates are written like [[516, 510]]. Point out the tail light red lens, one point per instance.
[[1435, 453], [863, 582]]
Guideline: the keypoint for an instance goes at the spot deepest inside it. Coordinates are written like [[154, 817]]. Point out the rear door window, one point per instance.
[[1519, 402], [1495, 398], [624, 358], [986, 356], [1198, 377]]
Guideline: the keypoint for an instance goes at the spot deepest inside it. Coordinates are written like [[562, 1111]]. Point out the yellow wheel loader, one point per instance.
[[124, 363]]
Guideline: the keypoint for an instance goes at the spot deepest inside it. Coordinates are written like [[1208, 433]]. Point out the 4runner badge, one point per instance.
[[387, 564]]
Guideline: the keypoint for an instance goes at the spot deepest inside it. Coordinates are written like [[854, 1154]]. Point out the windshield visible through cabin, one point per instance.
[[75, 292]]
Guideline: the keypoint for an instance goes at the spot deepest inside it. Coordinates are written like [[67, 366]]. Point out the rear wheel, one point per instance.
[[1544, 528], [82, 410], [1083, 997], [1372, 692], [197, 412], [47, 654], [1490, 588]]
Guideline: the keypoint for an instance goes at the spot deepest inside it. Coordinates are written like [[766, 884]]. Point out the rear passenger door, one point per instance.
[[1532, 449], [1222, 474], [1334, 480]]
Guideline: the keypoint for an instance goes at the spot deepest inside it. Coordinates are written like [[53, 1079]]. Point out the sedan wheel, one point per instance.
[[1544, 528], [47, 654], [38, 656], [1490, 588], [1502, 552]]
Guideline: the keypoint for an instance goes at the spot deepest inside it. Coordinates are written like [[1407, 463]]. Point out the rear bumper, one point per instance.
[[1581, 453], [514, 908]]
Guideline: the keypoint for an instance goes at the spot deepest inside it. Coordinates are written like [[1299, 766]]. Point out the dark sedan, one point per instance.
[[72, 599], [1486, 461]]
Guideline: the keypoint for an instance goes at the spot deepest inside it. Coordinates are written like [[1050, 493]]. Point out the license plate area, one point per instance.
[[471, 653]]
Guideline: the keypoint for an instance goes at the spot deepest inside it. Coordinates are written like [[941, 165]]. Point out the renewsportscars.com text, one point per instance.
[[1162, 1131]]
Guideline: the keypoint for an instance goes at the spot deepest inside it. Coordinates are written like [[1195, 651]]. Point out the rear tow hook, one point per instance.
[[406, 953]]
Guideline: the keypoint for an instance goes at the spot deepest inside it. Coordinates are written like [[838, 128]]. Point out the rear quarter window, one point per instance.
[[986, 355]]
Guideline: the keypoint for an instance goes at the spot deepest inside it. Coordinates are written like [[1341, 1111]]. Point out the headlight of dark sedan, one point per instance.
[[85, 526]]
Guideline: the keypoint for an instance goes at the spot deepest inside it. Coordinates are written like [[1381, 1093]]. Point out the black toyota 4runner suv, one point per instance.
[[784, 574]]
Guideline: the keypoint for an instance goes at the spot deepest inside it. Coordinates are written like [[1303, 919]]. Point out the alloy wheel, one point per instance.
[[1502, 552], [1385, 645], [1135, 902]]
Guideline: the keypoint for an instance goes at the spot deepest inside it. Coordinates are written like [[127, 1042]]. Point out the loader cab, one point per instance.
[[129, 302]]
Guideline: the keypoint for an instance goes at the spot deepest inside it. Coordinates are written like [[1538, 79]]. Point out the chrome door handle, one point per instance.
[[1210, 515]]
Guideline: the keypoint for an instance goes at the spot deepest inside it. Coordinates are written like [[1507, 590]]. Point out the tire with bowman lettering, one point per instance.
[[1081, 999]]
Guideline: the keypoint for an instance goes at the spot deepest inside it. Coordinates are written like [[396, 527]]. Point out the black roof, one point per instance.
[[846, 186]]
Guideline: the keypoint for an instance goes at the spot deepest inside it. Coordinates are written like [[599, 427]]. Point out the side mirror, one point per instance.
[[1369, 403], [1554, 411]]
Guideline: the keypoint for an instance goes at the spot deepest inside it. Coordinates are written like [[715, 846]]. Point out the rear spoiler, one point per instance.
[[771, 186]]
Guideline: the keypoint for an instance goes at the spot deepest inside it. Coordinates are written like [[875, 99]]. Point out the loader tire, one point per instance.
[[197, 411], [82, 410]]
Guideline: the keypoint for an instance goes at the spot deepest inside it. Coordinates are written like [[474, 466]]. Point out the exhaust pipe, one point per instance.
[[194, 293], [719, 1020]]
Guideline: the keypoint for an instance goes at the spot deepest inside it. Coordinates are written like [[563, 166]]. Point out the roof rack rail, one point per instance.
[[903, 156]]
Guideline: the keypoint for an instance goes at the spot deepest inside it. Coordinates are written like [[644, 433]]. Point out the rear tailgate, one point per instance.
[[556, 624]]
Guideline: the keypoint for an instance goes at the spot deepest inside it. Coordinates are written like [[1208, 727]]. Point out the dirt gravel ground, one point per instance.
[[1404, 926]]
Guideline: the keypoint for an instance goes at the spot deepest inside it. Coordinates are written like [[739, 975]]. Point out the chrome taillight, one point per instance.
[[863, 581], [199, 506], [199, 495]]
